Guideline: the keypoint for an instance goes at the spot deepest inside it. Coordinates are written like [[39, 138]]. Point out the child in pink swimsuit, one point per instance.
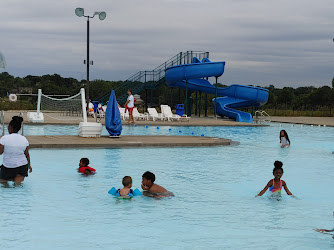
[[275, 185]]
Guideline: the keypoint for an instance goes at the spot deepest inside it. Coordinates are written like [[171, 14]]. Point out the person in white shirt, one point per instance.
[[284, 139], [15, 150], [129, 105]]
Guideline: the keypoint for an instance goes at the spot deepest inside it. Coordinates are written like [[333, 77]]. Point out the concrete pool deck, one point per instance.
[[67, 141], [193, 121]]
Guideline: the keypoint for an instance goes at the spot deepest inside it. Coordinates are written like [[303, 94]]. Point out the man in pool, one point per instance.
[[149, 186]]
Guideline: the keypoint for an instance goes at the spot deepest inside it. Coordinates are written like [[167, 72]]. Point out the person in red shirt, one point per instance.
[[84, 168]]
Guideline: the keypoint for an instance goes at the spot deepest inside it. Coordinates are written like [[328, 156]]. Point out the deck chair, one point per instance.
[[100, 111], [137, 115], [123, 114], [154, 115], [167, 112]]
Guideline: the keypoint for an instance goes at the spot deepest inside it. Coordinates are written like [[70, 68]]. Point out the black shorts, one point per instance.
[[10, 173]]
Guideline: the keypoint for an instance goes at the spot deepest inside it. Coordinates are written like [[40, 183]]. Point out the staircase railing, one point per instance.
[[151, 79]]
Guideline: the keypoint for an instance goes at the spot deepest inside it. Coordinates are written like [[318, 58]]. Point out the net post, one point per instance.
[[39, 101], [83, 103]]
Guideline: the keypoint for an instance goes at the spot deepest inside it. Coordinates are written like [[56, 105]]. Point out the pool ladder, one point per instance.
[[261, 116], [2, 122]]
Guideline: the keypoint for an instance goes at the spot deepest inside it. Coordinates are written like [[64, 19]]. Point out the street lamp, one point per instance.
[[102, 15]]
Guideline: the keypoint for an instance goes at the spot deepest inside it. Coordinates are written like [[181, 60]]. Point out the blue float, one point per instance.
[[157, 127], [146, 126], [113, 191]]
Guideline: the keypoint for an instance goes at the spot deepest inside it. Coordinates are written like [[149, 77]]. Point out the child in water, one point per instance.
[[284, 139], [84, 168], [126, 190], [275, 185], [149, 185]]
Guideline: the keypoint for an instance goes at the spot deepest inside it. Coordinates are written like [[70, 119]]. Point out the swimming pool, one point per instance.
[[214, 204]]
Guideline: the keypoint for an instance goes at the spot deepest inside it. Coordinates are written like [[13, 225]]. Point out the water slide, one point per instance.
[[191, 76]]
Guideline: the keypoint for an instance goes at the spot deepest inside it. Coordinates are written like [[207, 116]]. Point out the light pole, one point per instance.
[[102, 15]]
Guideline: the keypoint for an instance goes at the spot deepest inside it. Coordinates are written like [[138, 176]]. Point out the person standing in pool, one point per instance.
[[84, 168], [15, 150], [275, 185], [284, 139], [129, 105]]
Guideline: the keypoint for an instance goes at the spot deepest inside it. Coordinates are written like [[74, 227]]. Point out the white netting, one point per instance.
[[69, 108]]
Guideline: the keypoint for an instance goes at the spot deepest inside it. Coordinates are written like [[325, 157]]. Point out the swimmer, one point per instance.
[[284, 139], [84, 168], [275, 185], [127, 183], [153, 189]]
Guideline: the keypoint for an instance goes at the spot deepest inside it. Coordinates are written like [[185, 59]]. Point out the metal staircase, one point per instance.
[[150, 79]]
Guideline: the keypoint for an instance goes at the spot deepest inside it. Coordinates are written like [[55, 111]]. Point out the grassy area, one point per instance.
[[289, 112], [5, 104]]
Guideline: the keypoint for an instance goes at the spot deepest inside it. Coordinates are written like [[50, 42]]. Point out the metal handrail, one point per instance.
[[21, 115], [151, 79], [261, 115], [2, 121]]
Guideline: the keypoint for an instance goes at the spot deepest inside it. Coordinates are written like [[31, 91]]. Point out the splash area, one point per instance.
[[214, 203]]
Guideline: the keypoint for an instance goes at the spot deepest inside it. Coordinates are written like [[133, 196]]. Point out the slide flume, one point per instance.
[[235, 96]]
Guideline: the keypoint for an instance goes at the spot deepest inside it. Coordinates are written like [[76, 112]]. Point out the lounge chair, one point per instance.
[[154, 115], [123, 114], [137, 115], [167, 112]]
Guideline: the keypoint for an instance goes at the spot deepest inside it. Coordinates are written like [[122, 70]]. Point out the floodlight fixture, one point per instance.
[[102, 15], [79, 12]]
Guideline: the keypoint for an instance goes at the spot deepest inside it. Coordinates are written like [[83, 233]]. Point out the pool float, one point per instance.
[[83, 169], [113, 191]]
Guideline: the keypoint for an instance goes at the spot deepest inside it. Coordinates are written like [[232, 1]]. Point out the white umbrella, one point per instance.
[[2, 61]]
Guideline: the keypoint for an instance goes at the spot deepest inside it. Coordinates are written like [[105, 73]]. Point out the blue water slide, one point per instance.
[[235, 96]]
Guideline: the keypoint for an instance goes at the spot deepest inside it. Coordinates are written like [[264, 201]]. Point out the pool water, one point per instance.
[[214, 204]]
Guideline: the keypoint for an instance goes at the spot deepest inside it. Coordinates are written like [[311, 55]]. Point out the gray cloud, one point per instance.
[[286, 43]]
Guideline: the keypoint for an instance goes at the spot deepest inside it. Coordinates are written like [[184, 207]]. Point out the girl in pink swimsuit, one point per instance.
[[275, 185]]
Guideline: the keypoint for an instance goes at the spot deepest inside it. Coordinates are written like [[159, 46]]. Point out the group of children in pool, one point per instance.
[[147, 185], [274, 185]]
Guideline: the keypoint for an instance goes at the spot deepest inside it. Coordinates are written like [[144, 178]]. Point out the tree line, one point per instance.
[[286, 98]]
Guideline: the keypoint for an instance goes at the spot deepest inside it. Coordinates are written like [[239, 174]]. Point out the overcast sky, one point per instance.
[[263, 42]]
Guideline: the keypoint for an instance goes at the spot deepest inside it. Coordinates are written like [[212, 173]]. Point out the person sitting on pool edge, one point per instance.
[[149, 185], [84, 168], [127, 183], [275, 185]]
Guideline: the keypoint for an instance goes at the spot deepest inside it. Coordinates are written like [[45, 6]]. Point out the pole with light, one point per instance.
[[102, 15]]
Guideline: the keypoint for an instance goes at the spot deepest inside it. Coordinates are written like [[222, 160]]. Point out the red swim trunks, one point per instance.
[[130, 110], [83, 169]]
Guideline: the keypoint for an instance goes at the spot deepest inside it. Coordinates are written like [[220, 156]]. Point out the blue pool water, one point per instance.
[[214, 187]]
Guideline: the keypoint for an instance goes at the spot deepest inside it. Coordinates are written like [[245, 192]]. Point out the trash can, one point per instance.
[[96, 105], [180, 109]]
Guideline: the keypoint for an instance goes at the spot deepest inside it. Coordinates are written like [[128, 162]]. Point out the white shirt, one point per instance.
[[14, 147], [91, 106], [131, 100], [284, 141]]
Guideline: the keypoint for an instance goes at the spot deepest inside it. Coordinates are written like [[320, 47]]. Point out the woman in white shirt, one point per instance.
[[129, 105], [15, 150]]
